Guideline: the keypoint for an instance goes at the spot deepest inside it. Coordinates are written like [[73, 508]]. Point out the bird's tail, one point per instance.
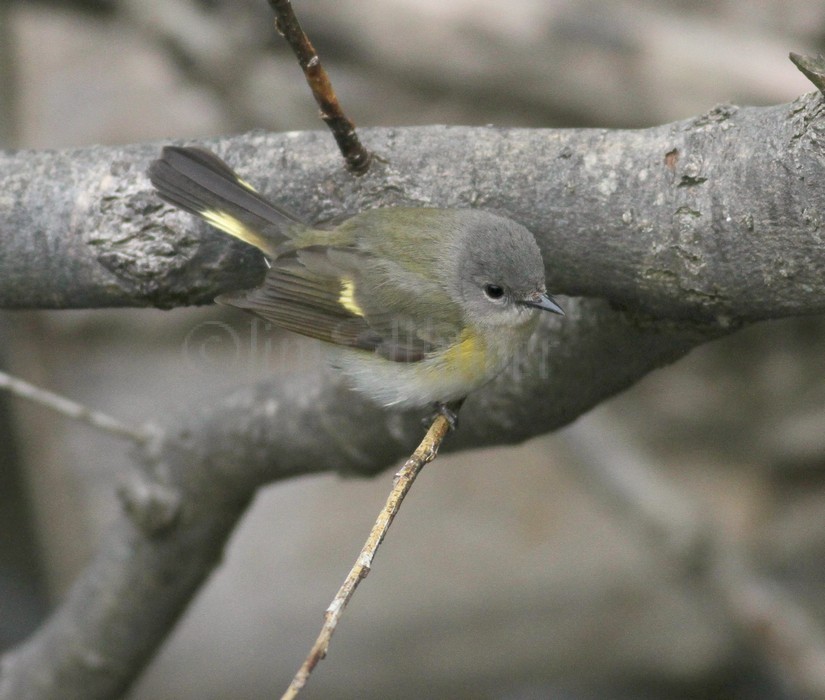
[[199, 182]]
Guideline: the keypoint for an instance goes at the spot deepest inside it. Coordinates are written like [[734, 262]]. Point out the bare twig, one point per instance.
[[69, 408], [424, 454], [342, 128]]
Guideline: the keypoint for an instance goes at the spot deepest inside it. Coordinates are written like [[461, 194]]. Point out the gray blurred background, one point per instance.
[[509, 573]]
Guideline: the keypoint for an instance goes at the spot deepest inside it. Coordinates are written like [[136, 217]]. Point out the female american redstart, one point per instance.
[[419, 305]]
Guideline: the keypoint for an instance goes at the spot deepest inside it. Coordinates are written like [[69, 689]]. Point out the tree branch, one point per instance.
[[404, 479], [716, 217], [342, 127], [74, 410], [680, 532]]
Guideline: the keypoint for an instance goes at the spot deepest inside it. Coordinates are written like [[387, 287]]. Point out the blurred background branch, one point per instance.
[[204, 468]]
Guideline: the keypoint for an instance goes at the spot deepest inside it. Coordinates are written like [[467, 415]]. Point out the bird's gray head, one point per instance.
[[501, 272]]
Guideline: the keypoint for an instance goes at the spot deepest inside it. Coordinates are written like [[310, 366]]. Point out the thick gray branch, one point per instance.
[[716, 218]]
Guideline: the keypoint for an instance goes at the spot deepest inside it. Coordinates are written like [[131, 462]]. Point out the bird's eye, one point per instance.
[[493, 291]]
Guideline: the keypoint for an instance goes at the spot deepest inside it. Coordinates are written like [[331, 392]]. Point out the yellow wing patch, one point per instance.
[[234, 227], [347, 298]]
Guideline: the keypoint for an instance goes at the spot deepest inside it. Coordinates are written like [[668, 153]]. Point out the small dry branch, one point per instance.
[[424, 454], [72, 409], [355, 154]]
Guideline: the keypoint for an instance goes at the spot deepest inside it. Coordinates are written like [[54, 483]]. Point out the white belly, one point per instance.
[[451, 375]]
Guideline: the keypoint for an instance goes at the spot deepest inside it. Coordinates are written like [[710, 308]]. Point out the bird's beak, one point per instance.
[[544, 302]]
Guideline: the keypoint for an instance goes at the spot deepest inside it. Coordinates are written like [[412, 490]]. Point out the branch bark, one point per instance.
[[715, 218]]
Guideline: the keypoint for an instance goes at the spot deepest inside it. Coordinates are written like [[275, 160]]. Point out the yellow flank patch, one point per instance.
[[234, 227], [347, 298], [468, 355]]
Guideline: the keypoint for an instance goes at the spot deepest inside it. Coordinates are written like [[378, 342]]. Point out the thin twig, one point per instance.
[[69, 408], [342, 128], [771, 620], [404, 479]]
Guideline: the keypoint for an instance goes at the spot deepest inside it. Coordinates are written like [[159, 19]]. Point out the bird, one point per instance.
[[416, 306]]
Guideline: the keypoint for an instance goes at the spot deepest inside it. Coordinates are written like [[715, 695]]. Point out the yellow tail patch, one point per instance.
[[244, 183], [234, 227]]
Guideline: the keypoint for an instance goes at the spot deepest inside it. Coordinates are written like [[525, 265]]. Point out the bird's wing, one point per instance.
[[351, 298]]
